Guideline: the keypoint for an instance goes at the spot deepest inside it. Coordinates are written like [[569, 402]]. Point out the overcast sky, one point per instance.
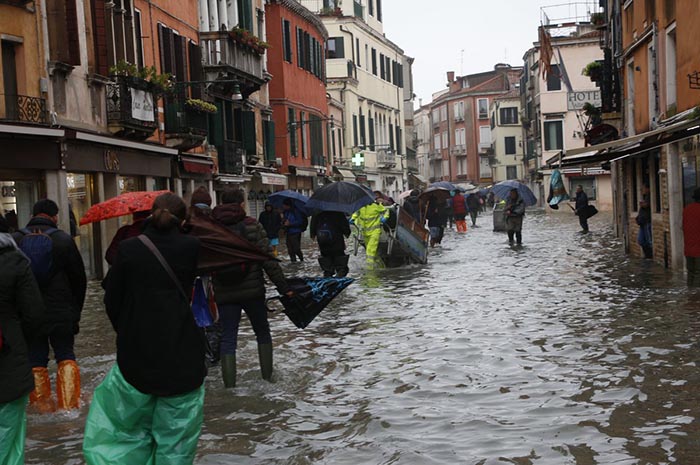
[[435, 32]]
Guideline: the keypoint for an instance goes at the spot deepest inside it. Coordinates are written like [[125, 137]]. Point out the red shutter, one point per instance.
[[99, 36]]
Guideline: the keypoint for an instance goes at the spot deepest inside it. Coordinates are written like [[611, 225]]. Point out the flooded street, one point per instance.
[[564, 351]]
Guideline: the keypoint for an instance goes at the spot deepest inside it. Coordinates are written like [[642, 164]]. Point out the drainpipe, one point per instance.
[[352, 42]]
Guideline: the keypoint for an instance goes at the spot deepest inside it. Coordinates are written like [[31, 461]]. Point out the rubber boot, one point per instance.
[[265, 356], [228, 370], [341, 265], [40, 398], [68, 385], [327, 266]]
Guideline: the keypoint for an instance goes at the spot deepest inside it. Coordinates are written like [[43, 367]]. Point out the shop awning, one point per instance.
[[305, 172], [345, 173], [141, 146], [272, 179], [622, 148], [231, 179], [197, 165]]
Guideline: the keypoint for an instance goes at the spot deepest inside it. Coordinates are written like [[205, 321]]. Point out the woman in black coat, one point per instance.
[[151, 401], [21, 310]]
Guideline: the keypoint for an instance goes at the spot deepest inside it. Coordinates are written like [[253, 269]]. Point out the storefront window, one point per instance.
[[691, 176], [131, 184], [80, 199], [18, 198], [588, 184]]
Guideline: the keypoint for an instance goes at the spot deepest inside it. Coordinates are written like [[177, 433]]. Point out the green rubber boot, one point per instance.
[[228, 370], [265, 356]]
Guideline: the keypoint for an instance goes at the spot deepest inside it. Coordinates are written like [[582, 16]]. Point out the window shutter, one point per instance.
[[180, 57], [216, 125], [196, 73], [249, 142], [391, 136], [99, 31], [371, 133], [354, 130], [300, 48], [381, 66], [269, 136]]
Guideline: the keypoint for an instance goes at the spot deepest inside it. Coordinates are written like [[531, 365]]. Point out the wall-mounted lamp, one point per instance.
[[236, 94]]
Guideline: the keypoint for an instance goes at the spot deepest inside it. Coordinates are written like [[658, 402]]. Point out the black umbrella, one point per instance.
[[311, 296], [341, 196]]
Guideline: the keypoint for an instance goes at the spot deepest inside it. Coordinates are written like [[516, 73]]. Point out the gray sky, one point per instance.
[[435, 32]]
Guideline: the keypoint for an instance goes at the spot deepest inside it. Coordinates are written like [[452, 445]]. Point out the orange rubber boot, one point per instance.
[[40, 398], [68, 385]]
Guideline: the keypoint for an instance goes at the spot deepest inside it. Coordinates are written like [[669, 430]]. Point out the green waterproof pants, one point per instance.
[[13, 429], [126, 426]]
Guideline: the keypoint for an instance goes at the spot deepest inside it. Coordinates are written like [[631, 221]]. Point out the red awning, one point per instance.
[[197, 165]]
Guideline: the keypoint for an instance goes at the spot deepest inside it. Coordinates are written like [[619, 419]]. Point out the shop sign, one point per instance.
[[111, 161], [142, 105], [576, 100]]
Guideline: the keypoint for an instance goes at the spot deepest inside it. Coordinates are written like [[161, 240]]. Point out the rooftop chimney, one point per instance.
[[450, 77]]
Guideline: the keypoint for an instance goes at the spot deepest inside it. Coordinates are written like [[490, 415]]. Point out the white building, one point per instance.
[[367, 72], [507, 148], [422, 133]]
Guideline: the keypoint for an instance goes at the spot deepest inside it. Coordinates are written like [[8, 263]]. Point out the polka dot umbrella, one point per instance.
[[121, 205]]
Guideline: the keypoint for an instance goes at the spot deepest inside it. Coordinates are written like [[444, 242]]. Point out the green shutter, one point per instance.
[[249, 132], [216, 125], [269, 133]]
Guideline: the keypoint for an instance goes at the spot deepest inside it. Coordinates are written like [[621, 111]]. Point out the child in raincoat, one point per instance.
[[370, 219]]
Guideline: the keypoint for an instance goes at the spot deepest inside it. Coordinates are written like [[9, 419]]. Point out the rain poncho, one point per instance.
[[369, 220], [126, 426]]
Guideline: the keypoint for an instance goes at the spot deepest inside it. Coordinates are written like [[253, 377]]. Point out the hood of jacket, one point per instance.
[[7, 242], [229, 213]]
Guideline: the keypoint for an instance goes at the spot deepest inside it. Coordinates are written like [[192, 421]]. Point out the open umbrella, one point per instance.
[[121, 205], [441, 194], [311, 296], [341, 196], [445, 185], [221, 248], [503, 188], [299, 200]]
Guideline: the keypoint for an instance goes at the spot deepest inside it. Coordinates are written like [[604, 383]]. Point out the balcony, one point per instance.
[[459, 150], [131, 109], [358, 9], [231, 157], [221, 55], [437, 155], [385, 159], [23, 109], [185, 123]]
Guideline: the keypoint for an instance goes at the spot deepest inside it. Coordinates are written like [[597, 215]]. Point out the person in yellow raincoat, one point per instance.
[[370, 219]]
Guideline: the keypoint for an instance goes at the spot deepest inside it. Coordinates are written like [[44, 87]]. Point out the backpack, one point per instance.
[[37, 245], [325, 234], [304, 222]]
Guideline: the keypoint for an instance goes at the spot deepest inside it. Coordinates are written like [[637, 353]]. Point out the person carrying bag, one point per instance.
[[149, 408]]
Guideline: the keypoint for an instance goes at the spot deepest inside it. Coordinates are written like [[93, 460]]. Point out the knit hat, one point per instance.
[[201, 196], [45, 206]]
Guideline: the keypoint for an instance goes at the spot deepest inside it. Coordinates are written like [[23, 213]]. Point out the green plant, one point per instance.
[[597, 18], [160, 82], [248, 39], [592, 69], [200, 105]]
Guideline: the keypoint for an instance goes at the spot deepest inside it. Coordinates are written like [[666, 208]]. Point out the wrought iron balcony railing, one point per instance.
[[219, 50], [185, 124], [458, 150], [23, 109], [131, 107], [358, 9], [385, 159]]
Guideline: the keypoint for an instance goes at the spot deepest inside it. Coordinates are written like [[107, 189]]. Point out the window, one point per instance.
[[443, 113], [287, 39], [587, 183], [671, 69], [357, 47], [382, 69], [509, 143], [445, 140], [245, 15], [370, 4], [354, 131], [316, 137], [63, 34], [335, 48], [304, 139], [484, 136], [379, 10], [459, 111], [436, 142], [553, 135], [436, 116], [172, 53], [138, 37], [553, 79], [462, 166], [460, 137], [291, 115], [363, 139], [509, 115], [511, 172], [300, 48], [371, 132], [483, 106], [374, 61]]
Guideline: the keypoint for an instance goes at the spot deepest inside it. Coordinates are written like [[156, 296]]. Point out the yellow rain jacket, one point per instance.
[[369, 220]]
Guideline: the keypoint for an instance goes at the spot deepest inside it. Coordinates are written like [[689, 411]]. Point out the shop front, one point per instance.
[[191, 172], [301, 179]]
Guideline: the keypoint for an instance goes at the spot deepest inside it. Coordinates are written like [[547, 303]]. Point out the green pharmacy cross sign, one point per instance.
[[358, 159]]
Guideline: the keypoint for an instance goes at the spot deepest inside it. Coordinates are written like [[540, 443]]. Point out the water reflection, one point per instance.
[[563, 351]]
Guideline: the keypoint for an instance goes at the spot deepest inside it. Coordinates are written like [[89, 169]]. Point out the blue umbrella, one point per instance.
[[557, 191], [278, 198], [503, 188], [446, 185], [341, 196]]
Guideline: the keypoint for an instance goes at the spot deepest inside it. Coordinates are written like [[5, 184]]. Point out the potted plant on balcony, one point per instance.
[[200, 106], [594, 70], [247, 39], [597, 19], [146, 78]]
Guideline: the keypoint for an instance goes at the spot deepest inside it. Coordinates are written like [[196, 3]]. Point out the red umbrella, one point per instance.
[[121, 205]]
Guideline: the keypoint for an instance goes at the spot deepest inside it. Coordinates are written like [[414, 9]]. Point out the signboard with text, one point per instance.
[[142, 105], [576, 100]]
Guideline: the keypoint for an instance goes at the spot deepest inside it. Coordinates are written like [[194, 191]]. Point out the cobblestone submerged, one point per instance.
[[563, 351]]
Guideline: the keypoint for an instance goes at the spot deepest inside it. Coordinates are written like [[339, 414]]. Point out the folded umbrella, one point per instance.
[[340, 196], [121, 205], [278, 198], [220, 247], [503, 188], [310, 297]]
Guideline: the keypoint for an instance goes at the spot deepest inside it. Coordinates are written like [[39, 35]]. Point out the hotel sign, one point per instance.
[[576, 100]]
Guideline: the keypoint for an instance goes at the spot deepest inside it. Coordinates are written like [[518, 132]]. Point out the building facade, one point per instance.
[[507, 146], [366, 71], [461, 126], [302, 123]]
